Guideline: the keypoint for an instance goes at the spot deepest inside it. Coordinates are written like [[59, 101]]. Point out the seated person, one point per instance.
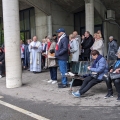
[[100, 67], [2, 62], [115, 69]]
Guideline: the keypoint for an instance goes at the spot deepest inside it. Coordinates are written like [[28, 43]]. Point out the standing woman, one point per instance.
[[74, 48], [52, 63], [98, 44]]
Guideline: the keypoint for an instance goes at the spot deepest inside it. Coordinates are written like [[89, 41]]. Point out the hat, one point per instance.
[[60, 30]]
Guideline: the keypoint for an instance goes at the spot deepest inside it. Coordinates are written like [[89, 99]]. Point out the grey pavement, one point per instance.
[[44, 99]]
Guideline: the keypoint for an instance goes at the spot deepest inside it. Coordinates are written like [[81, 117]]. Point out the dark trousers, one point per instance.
[[86, 58], [53, 73], [88, 83], [109, 84], [2, 69], [43, 61], [23, 61]]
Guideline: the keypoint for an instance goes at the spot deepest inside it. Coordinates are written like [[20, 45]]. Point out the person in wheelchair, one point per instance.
[[108, 80], [98, 69]]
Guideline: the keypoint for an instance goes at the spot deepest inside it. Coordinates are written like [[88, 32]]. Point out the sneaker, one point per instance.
[[50, 81], [76, 94], [54, 82], [0, 76], [108, 96]]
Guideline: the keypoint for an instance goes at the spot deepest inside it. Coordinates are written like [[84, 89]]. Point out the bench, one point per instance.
[[80, 68]]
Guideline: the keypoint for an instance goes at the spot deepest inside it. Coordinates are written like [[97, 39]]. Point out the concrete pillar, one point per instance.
[[49, 23], [89, 11], [41, 24], [12, 43]]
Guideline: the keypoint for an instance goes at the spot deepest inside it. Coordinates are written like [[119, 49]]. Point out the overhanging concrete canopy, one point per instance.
[[70, 5], [113, 5], [43, 5]]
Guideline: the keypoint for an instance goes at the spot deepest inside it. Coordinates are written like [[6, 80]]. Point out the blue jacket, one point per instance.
[[101, 68], [62, 52]]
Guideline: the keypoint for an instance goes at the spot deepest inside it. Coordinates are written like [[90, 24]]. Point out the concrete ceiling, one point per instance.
[[113, 5], [70, 5], [23, 5]]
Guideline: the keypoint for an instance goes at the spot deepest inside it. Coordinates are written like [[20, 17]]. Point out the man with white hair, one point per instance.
[[35, 49], [112, 49]]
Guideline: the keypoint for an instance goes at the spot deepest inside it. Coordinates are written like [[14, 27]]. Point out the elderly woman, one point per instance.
[[114, 69], [2, 62], [98, 69], [98, 44], [74, 48], [52, 63]]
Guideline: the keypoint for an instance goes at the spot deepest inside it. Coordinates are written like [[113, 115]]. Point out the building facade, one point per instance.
[[23, 19]]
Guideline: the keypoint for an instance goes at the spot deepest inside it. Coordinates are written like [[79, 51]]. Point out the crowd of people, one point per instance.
[[61, 51]]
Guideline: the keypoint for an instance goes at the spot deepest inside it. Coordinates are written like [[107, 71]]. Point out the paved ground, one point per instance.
[[46, 100]]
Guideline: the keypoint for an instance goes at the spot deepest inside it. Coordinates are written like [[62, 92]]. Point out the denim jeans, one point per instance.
[[53, 73], [63, 70]]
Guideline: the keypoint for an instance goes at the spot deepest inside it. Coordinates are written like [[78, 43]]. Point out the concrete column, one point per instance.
[[12, 43], [89, 11], [41, 24], [49, 23]]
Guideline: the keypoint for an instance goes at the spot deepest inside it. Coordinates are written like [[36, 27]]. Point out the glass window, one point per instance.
[[27, 24], [27, 20], [32, 22], [21, 21], [77, 22], [97, 19], [82, 19]]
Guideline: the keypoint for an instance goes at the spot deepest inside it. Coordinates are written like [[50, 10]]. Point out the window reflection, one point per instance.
[[27, 24]]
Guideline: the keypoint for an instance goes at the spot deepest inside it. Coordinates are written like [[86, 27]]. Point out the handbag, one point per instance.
[[114, 76], [94, 75]]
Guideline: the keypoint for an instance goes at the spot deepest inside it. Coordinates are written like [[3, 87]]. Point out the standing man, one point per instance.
[[61, 54], [112, 49], [35, 49], [86, 45]]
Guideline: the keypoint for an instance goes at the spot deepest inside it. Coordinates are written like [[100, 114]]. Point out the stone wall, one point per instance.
[[61, 19], [41, 24]]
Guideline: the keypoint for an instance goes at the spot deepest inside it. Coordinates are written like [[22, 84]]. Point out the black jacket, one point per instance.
[[2, 58], [86, 45]]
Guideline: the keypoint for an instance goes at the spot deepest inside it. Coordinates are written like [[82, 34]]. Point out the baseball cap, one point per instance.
[[60, 30]]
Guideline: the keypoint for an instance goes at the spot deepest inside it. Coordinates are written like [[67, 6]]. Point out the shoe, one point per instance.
[[76, 94], [62, 86], [118, 99], [54, 82], [34, 72], [71, 74], [50, 81], [0, 76], [109, 95]]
